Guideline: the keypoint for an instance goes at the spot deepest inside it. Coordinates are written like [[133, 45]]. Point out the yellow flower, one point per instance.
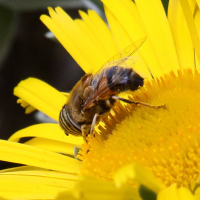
[[136, 150]]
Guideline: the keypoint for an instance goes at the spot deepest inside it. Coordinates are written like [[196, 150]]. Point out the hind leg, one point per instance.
[[138, 102]]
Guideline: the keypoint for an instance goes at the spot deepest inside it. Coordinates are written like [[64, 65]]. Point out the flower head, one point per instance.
[[134, 148], [165, 140]]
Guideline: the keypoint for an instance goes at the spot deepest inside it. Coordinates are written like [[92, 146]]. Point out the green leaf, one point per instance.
[[146, 193], [165, 5], [8, 24]]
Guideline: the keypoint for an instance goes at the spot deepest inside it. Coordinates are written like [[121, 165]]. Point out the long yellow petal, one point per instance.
[[74, 40], [45, 174], [22, 168], [181, 35], [52, 145], [104, 33], [174, 193], [101, 32], [197, 193], [91, 189], [191, 26], [119, 33], [48, 131], [159, 33], [41, 96], [41, 184], [67, 44], [80, 39], [132, 31], [137, 174], [185, 194], [128, 21], [197, 22], [37, 157]]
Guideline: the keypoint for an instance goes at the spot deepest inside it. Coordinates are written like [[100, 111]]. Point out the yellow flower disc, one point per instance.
[[165, 140]]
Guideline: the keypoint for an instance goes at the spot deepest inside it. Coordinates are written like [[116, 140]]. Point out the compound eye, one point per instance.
[[88, 91], [86, 80]]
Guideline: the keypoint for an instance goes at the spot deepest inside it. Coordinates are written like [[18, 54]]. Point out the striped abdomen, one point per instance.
[[67, 124]]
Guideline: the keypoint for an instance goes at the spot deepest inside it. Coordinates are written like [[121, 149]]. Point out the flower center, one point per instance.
[[165, 140]]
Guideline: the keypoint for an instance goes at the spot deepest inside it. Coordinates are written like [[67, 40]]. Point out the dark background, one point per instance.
[[32, 55]]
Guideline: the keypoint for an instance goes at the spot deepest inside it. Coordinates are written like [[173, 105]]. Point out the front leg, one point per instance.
[[85, 129], [95, 119]]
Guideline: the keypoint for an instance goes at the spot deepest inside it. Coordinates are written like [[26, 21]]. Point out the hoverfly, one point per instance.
[[94, 95]]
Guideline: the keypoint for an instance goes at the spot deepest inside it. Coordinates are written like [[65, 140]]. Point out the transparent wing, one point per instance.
[[110, 75], [122, 58]]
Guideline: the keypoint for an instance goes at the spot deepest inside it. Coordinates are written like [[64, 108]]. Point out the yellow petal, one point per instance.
[[198, 2], [181, 35], [67, 44], [83, 26], [41, 184], [98, 29], [52, 145], [23, 103], [137, 174], [128, 20], [74, 40], [174, 193], [91, 189], [48, 131], [22, 168], [41, 96], [45, 174], [159, 33], [185, 194], [104, 33], [197, 193], [128, 29], [29, 109], [26, 105], [119, 33], [37, 157], [117, 30], [65, 195], [191, 26], [197, 22]]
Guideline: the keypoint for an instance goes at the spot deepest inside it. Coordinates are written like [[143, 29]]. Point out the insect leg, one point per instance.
[[137, 102], [85, 129], [95, 119]]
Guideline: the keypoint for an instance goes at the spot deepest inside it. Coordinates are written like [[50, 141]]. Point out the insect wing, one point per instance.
[[123, 59], [123, 56], [110, 75]]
